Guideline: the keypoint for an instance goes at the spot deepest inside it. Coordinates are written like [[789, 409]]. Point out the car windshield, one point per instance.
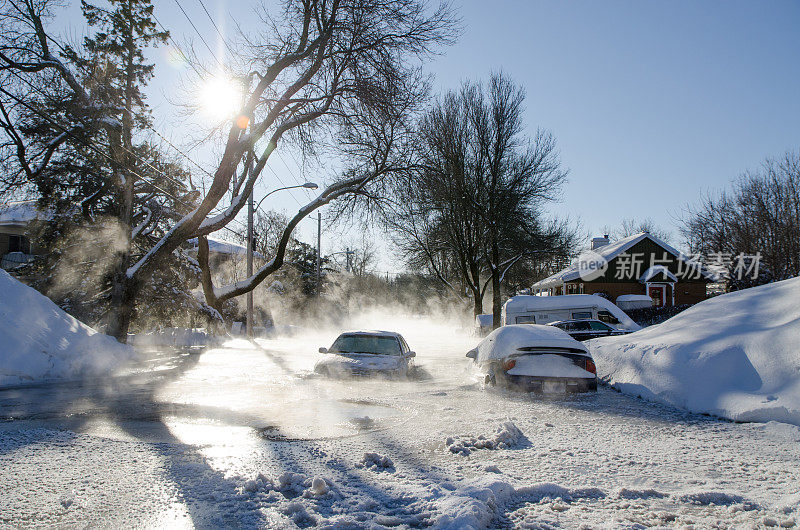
[[375, 344]]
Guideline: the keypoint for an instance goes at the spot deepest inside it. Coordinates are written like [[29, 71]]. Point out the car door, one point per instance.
[[404, 349]]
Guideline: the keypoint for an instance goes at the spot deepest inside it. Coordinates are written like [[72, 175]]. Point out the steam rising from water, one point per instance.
[[270, 386]]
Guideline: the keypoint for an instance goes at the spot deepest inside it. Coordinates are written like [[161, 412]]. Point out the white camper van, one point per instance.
[[525, 309]]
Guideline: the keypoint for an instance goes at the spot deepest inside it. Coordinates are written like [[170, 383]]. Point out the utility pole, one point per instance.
[[250, 255], [319, 253], [251, 243]]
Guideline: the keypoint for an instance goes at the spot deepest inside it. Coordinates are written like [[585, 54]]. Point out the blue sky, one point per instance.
[[651, 103]]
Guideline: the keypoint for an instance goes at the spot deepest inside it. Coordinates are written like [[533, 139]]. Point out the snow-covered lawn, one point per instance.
[[736, 356], [248, 436]]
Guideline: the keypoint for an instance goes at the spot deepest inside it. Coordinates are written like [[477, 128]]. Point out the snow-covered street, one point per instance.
[[247, 435]]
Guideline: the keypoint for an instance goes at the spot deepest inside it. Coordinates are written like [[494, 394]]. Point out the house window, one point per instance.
[[19, 244]]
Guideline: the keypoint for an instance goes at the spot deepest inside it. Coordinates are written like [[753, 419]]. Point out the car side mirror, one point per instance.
[[412, 354], [472, 354], [323, 350]]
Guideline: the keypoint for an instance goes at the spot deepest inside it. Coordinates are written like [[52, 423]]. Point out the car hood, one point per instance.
[[359, 361]]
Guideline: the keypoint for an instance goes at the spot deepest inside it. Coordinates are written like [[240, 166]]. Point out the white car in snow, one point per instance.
[[535, 358], [367, 353]]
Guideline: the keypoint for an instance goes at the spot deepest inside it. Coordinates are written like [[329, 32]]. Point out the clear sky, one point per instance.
[[652, 103]]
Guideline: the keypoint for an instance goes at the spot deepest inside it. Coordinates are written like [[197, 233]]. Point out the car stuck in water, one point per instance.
[[381, 353], [535, 358]]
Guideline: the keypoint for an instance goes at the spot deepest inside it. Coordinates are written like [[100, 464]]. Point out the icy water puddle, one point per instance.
[[205, 398]]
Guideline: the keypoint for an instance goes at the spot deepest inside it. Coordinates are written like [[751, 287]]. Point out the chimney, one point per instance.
[[598, 242]]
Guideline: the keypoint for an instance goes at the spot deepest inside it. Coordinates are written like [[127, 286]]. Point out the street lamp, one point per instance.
[[308, 185], [250, 210]]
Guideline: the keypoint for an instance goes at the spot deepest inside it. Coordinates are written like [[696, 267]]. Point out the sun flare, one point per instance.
[[220, 98]]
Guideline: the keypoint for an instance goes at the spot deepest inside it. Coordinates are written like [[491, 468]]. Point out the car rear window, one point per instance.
[[375, 344]]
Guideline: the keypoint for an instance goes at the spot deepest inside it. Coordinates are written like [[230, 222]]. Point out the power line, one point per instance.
[[101, 153], [296, 179], [199, 34], [214, 23], [37, 89], [88, 144], [187, 157], [284, 185], [177, 47]]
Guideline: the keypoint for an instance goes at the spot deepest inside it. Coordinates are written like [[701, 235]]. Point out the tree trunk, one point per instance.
[[205, 276], [123, 288], [123, 303], [477, 300], [497, 301]]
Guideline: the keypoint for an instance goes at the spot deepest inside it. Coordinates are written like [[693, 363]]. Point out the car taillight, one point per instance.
[[509, 364], [590, 367]]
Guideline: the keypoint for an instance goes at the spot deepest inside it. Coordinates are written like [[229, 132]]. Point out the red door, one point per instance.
[[657, 294]]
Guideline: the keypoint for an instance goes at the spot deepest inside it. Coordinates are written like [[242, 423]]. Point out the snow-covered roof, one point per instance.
[[526, 302], [20, 213], [654, 271], [220, 246], [633, 298], [507, 340], [611, 251]]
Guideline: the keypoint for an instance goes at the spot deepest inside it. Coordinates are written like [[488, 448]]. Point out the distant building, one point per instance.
[[17, 225], [641, 264], [221, 251]]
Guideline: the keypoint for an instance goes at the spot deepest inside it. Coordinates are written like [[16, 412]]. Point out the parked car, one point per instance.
[[535, 358], [367, 353], [586, 329]]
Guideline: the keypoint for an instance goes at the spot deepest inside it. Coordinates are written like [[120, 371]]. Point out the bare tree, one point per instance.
[[471, 211], [629, 227], [317, 66], [760, 215]]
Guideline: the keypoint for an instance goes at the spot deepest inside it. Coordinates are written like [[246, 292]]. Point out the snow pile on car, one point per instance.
[[506, 340], [39, 341], [735, 356]]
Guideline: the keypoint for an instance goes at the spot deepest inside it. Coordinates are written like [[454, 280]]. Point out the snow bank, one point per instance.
[[736, 356], [39, 341]]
